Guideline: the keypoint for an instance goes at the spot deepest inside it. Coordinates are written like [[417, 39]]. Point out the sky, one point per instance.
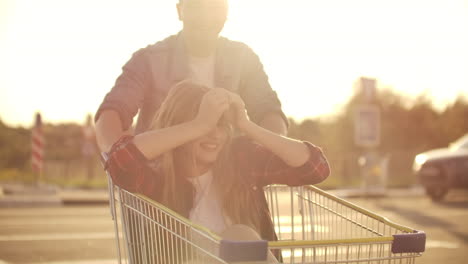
[[62, 57]]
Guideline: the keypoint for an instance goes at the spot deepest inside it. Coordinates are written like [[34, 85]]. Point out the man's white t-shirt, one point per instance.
[[201, 70], [207, 209]]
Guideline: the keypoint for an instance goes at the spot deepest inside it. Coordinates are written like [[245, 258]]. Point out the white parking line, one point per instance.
[[92, 261], [54, 237], [441, 244], [32, 222]]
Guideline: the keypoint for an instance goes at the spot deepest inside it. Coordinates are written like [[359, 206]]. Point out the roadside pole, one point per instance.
[[37, 149], [367, 137]]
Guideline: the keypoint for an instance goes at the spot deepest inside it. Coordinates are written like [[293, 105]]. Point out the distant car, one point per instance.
[[439, 170]]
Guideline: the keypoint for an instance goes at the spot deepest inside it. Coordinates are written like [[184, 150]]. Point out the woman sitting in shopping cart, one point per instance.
[[207, 161]]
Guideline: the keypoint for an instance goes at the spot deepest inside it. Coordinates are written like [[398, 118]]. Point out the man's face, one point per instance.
[[203, 19]]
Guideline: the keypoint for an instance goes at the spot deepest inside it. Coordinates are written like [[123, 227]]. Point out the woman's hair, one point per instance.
[[181, 105]]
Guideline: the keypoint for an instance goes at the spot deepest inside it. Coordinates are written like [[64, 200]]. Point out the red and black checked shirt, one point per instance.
[[259, 167]]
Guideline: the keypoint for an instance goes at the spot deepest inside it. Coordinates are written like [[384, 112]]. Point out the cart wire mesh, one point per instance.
[[312, 225]]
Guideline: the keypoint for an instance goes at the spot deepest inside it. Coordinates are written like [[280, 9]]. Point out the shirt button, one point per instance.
[[254, 188]]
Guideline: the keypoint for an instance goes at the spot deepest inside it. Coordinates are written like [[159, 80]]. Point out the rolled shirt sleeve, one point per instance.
[[129, 169], [127, 95], [266, 168]]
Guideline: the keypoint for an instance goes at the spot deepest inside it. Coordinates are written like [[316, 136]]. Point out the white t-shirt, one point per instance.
[[201, 70], [207, 209]]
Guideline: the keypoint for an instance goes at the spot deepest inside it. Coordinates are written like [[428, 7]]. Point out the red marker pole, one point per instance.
[[37, 148]]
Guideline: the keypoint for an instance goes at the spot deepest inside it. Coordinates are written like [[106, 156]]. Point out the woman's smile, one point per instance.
[[209, 146]]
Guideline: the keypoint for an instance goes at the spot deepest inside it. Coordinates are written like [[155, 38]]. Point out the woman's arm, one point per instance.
[[293, 152], [276, 159], [129, 156], [156, 142]]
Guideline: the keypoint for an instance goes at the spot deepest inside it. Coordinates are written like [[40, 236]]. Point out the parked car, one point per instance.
[[439, 170]]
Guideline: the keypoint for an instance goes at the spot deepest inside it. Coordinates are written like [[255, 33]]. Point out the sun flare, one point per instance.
[[62, 57]]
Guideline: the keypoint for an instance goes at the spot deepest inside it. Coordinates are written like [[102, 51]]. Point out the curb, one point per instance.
[[47, 196], [29, 201], [48, 201], [20, 190], [31, 197], [79, 197]]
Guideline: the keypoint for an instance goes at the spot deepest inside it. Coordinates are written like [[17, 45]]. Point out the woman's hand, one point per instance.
[[212, 106], [240, 118], [154, 143]]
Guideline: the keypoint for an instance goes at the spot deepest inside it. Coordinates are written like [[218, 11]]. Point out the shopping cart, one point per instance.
[[312, 225]]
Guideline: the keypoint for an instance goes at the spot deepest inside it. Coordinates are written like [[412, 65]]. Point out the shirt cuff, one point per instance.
[[317, 164], [126, 142]]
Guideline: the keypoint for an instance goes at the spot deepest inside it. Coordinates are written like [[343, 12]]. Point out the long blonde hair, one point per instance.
[[181, 105]]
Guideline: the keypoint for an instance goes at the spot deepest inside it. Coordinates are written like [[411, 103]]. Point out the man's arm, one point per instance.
[[108, 129], [261, 101], [121, 104]]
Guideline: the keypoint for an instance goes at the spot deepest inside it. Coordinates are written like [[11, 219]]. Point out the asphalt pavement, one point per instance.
[[44, 195], [45, 224]]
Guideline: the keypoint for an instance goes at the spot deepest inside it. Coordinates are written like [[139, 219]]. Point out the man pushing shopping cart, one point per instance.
[[200, 180]]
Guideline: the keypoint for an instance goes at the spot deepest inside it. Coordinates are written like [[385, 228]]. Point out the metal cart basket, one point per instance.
[[312, 225]]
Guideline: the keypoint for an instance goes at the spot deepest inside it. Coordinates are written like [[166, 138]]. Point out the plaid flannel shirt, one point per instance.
[[130, 170], [258, 166]]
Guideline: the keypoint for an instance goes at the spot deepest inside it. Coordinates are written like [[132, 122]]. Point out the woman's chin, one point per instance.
[[207, 160]]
